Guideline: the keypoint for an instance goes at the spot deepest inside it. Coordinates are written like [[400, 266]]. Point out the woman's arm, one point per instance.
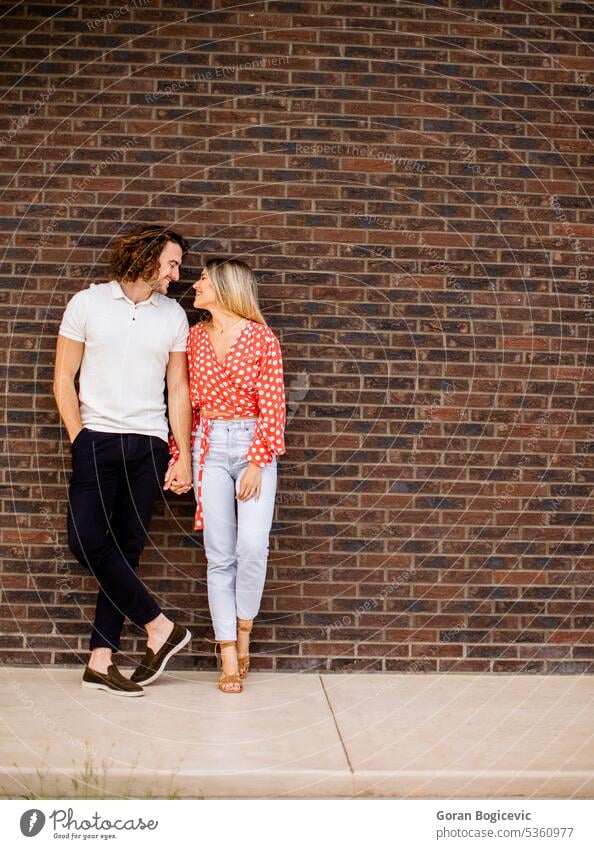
[[269, 438]]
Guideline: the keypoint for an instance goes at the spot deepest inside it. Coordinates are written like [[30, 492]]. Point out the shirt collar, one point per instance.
[[118, 292]]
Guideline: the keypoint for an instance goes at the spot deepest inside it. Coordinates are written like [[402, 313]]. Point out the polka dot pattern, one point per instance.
[[249, 382]]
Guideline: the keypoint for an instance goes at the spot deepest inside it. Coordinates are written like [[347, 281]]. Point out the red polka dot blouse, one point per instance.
[[249, 382]]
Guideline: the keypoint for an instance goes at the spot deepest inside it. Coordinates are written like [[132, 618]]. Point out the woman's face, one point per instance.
[[205, 296]]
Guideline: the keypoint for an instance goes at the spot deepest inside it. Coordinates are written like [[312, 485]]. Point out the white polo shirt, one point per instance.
[[127, 347]]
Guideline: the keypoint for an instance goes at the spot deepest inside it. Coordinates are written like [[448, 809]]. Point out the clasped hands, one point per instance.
[[178, 478]]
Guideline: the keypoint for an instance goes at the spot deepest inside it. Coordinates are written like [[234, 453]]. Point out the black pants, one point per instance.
[[115, 482]]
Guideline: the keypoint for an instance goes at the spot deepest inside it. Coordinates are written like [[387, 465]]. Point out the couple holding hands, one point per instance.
[[226, 411]]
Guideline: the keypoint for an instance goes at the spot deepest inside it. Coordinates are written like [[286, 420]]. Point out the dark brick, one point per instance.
[[434, 319]]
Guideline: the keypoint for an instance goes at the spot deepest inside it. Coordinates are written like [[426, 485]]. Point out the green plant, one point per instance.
[[88, 782]]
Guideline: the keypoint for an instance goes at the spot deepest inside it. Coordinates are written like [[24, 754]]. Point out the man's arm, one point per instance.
[[69, 355], [179, 475]]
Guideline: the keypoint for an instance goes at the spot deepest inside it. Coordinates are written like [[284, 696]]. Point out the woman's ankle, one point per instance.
[[243, 636], [229, 659]]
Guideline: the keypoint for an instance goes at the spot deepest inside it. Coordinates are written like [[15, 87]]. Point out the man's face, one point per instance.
[[169, 266]]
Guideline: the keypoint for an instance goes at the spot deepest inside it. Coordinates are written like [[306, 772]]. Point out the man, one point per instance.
[[127, 338]]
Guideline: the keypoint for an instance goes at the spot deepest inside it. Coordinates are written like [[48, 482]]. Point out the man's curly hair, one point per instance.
[[136, 254]]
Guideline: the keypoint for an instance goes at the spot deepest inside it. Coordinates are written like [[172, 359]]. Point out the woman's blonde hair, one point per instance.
[[235, 286]]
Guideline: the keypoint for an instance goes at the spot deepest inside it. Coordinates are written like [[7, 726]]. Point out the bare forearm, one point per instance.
[[180, 419], [68, 406]]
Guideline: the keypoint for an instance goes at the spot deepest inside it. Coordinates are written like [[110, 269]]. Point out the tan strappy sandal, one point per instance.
[[226, 678], [243, 660]]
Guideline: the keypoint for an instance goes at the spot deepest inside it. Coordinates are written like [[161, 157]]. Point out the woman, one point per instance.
[[238, 401]]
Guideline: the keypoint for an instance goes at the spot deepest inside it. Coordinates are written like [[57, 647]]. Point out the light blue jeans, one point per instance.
[[235, 532]]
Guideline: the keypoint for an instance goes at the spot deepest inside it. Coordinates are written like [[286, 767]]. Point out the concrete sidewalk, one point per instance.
[[299, 735]]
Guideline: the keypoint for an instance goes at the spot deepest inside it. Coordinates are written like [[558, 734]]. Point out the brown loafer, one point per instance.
[[113, 682], [152, 665]]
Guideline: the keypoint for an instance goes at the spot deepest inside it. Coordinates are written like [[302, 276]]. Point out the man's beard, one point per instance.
[[158, 285]]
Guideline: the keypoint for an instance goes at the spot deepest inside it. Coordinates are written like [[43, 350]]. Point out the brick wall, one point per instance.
[[411, 182]]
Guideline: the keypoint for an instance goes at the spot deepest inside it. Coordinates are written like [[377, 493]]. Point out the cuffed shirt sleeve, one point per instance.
[[74, 320], [180, 339]]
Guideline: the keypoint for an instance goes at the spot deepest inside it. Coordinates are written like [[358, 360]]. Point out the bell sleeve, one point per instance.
[[269, 436]]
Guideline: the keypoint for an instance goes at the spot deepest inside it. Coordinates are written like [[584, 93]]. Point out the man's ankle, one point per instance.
[[100, 660], [158, 631], [161, 624]]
